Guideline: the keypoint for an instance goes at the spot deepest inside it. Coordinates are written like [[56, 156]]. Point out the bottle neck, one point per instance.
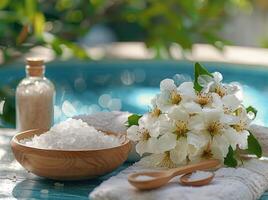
[[35, 71]]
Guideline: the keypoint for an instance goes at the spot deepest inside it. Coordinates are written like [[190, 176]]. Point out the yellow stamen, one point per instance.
[[207, 153], [239, 127], [166, 161], [175, 97], [214, 128], [203, 99], [155, 112], [145, 135], [181, 129], [220, 91]]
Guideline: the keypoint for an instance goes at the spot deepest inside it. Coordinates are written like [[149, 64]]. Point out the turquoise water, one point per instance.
[[131, 84]]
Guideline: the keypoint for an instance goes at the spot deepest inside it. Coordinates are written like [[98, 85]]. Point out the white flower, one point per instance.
[[216, 129], [171, 95], [230, 103], [162, 160], [203, 100], [186, 126], [155, 112], [209, 83], [181, 134], [145, 135], [214, 84], [240, 125], [168, 159]]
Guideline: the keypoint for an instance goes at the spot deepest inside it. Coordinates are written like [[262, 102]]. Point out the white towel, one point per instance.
[[244, 183]]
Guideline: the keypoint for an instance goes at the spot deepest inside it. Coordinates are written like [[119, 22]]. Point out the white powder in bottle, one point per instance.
[[34, 98]]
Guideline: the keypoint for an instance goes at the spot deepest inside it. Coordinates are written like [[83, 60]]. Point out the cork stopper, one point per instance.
[[35, 66], [35, 62]]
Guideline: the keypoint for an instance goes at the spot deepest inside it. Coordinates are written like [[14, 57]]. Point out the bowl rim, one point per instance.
[[15, 142]]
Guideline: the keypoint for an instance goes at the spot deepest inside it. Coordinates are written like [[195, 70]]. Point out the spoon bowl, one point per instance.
[[149, 183], [161, 178], [200, 182]]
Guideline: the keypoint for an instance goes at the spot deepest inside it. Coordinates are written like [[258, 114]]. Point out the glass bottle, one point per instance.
[[35, 96]]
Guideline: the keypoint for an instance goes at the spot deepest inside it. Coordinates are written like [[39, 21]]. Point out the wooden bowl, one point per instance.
[[68, 164]]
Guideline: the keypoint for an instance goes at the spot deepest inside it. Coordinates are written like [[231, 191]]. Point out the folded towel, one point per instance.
[[243, 183], [247, 182]]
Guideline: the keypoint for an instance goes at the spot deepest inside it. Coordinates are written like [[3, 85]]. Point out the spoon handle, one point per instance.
[[207, 164]]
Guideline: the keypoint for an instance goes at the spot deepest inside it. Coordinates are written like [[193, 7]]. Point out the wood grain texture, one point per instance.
[[68, 164]]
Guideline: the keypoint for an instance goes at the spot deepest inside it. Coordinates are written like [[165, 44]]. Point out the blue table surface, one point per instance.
[[17, 183]]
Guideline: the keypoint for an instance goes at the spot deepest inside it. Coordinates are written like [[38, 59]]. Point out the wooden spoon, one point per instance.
[[200, 182], [157, 179]]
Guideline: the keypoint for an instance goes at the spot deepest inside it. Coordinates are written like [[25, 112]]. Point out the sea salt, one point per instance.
[[144, 178], [199, 175], [108, 121], [73, 134]]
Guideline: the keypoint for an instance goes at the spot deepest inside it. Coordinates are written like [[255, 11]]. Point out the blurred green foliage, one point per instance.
[[58, 24], [8, 117]]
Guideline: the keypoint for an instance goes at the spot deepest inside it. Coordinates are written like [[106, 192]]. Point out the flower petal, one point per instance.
[[146, 146], [133, 133], [192, 107], [231, 102], [211, 115], [167, 85], [186, 89], [204, 80], [198, 140], [177, 113], [179, 154], [196, 123], [217, 77], [219, 146], [166, 142]]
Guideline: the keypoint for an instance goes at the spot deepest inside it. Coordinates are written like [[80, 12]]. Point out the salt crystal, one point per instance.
[[73, 134], [144, 178], [199, 175], [44, 191], [108, 121]]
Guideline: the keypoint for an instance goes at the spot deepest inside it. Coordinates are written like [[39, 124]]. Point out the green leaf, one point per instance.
[[55, 45], [133, 120], [3, 3], [230, 160], [39, 23], [252, 109], [199, 70], [254, 146], [7, 93], [30, 8]]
